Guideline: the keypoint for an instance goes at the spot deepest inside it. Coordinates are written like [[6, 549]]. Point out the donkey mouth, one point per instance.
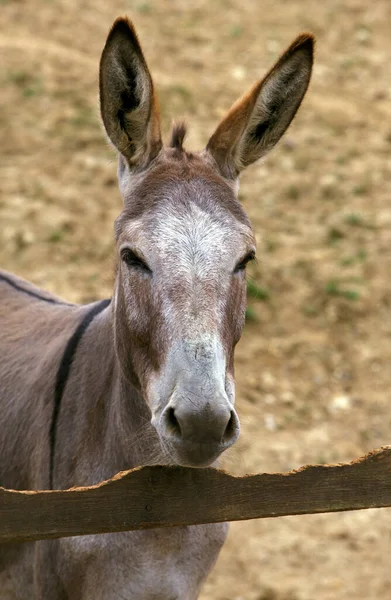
[[193, 454]]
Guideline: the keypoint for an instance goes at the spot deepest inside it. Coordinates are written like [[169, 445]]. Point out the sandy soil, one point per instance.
[[313, 367]]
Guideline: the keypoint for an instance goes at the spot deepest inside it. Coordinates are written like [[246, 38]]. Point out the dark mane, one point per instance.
[[178, 135]]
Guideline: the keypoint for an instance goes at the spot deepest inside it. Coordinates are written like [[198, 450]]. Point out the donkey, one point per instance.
[[148, 376]]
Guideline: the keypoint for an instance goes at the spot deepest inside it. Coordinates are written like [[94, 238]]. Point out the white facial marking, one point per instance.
[[199, 251], [192, 245]]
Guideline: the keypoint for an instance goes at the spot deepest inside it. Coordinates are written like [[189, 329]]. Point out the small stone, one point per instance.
[[363, 35], [90, 161], [268, 380], [269, 399], [328, 180], [341, 403], [288, 397], [289, 143], [238, 73], [272, 46], [270, 422], [287, 163], [383, 218], [320, 70]]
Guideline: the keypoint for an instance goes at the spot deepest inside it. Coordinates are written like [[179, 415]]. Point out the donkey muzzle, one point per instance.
[[195, 432]]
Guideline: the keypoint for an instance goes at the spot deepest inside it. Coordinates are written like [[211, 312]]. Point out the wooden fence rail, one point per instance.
[[170, 496]]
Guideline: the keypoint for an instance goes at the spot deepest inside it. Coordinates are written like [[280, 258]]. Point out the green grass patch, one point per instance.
[[143, 8], [310, 310], [58, 234], [257, 292], [236, 31], [251, 315], [84, 116], [335, 287], [354, 219], [28, 84], [357, 220], [360, 256]]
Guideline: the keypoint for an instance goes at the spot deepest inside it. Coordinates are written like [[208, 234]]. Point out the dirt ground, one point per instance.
[[313, 368]]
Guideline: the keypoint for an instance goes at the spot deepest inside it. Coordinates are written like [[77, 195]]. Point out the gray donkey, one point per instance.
[[146, 377]]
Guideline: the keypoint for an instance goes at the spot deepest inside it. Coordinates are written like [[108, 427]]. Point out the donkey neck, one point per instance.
[[129, 438], [103, 415]]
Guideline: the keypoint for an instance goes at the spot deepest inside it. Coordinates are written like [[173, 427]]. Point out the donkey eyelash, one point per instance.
[[133, 260], [243, 263]]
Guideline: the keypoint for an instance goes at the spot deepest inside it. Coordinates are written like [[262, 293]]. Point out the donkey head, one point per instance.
[[183, 243]]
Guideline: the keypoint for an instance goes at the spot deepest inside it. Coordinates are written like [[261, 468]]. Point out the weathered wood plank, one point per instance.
[[169, 496]]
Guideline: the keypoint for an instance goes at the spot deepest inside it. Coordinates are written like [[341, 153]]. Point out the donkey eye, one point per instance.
[[243, 262], [133, 260]]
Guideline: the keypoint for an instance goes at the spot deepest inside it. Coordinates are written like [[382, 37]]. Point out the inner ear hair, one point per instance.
[[258, 120], [129, 106]]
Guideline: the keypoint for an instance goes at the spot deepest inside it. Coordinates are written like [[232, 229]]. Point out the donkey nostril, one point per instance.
[[173, 422], [231, 428]]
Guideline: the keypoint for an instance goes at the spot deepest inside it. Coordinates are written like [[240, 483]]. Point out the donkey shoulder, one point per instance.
[[35, 328]]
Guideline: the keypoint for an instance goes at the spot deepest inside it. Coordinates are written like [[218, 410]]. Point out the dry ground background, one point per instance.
[[313, 369]]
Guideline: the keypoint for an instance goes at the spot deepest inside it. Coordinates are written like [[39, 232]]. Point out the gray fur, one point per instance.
[[152, 378], [104, 427]]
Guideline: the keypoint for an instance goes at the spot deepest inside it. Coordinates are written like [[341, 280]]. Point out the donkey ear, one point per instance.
[[257, 121], [128, 104]]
